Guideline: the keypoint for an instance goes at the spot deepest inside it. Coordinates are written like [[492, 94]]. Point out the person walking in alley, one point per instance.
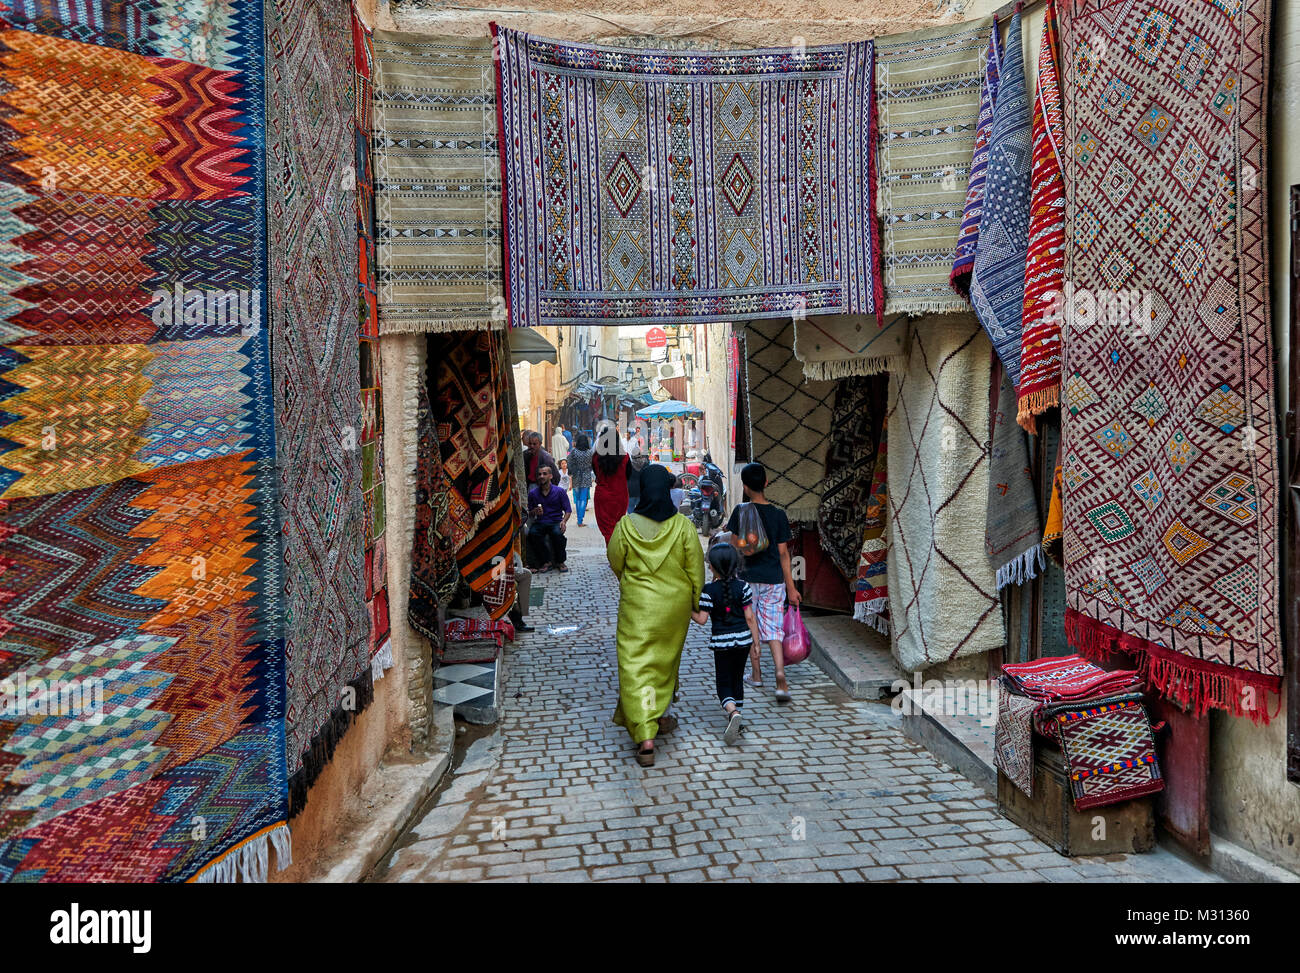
[[768, 574], [611, 475], [580, 458], [559, 444], [535, 458], [550, 508], [726, 601], [636, 462], [657, 559]]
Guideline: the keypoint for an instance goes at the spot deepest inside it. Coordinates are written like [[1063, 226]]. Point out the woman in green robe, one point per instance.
[[656, 555]]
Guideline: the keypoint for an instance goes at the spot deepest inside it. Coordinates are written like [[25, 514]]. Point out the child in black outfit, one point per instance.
[[726, 601]]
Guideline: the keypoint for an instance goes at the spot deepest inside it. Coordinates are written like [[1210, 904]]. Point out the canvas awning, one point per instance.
[[526, 345]]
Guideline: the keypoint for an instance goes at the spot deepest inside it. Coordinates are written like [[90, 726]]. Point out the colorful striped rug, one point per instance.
[[140, 560]]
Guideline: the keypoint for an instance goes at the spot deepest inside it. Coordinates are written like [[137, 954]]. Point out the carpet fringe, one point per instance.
[[1034, 404], [916, 308], [413, 366], [1022, 568], [251, 861], [382, 662], [1196, 685], [871, 613], [830, 371], [320, 751], [439, 325]]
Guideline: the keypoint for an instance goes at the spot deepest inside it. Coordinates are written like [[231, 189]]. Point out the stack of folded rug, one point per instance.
[[1069, 678], [1096, 716], [475, 639]]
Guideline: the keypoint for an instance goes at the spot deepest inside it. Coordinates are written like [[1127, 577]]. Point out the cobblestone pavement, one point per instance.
[[825, 789]]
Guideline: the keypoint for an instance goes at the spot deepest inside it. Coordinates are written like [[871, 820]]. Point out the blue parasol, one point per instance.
[[672, 409]]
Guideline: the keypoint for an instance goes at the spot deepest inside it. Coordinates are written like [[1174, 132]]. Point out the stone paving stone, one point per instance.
[[867, 804]]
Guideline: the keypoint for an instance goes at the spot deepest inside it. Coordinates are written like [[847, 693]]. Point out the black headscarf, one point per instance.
[[656, 501]]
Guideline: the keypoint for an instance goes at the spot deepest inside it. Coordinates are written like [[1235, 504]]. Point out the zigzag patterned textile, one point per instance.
[[1040, 347], [438, 165], [789, 419], [311, 142], [997, 288], [141, 656], [928, 92], [442, 523], [371, 438], [468, 395], [644, 185], [1169, 437], [943, 601], [871, 591], [963, 262]]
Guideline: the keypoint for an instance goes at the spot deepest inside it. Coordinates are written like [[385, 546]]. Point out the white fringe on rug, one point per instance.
[[1024, 568], [438, 325], [382, 662], [916, 308], [871, 613], [251, 861], [831, 371]]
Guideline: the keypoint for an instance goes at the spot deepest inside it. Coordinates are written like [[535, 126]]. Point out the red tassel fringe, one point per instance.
[[1194, 684]]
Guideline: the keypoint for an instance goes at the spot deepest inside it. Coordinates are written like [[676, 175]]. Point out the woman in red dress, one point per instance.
[[611, 471]]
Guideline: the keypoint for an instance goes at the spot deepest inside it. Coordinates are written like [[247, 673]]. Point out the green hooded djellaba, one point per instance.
[[656, 555]]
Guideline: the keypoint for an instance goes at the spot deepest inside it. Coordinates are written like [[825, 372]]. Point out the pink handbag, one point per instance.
[[795, 644]]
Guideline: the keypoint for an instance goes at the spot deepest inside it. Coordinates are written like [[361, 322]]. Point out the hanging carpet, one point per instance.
[[312, 177], [997, 288], [871, 592], [943, 600], [789, 419], [650, 185], [928, 101], [968, 237], [438, 183], [1169, 437], [370, 440], [843, 345], [1014, 535], [846, 489], [139, 528], [1040, 348], [468, 398], [442, 523]]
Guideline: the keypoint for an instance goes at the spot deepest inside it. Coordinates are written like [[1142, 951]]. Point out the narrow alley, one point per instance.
[[825, 789]]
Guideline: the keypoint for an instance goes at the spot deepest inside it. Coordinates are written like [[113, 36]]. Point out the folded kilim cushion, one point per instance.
[[644, 185], [1110, 754], [1169, 437]]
